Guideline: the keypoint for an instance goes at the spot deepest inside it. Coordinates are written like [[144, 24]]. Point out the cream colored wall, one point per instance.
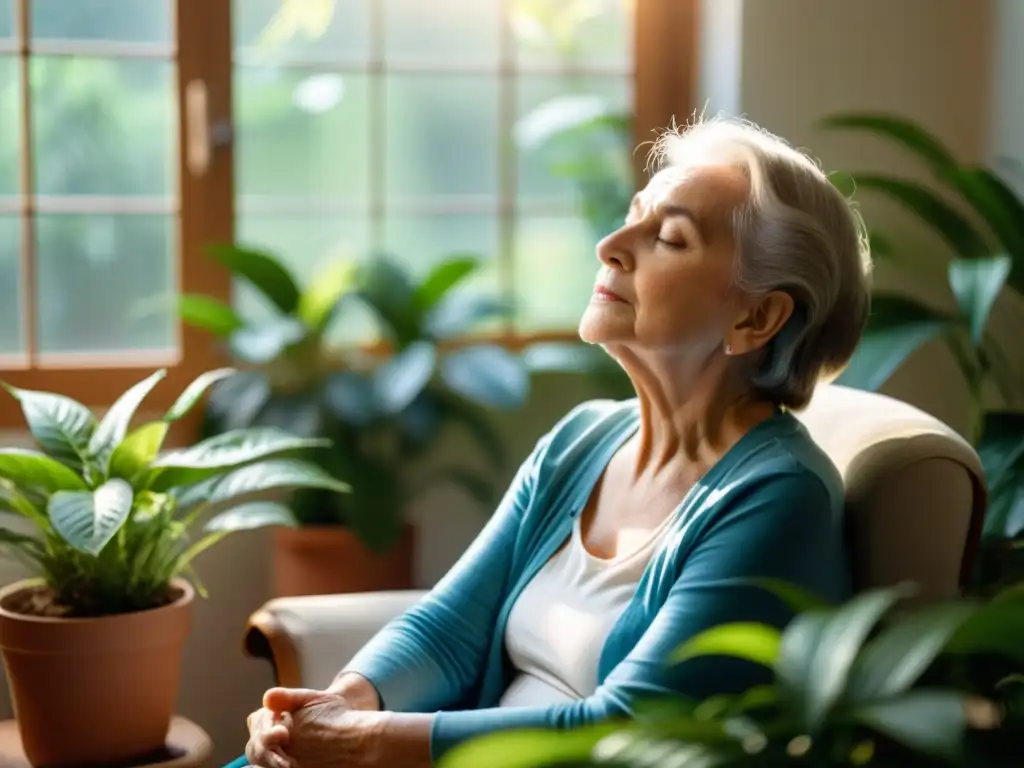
[[783, 63]]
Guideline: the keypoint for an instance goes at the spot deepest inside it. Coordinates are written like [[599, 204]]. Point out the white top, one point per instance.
[[558, 625]]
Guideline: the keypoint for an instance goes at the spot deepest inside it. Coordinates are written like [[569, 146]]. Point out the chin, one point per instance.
[[597, 327]]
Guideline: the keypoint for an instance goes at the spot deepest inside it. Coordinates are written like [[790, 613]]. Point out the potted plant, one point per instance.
[[382, 409], [108, 522], [988, 249]]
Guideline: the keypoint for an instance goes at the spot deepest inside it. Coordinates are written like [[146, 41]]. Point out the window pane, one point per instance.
[[115, 20], [305, 243], [308, 30], [10, 126], [301, 133], [442, 136], [10, 294], [126, 261], [451, 31], [6, 19], [548, 101], [124, 140], [595, 33], [555, 267], [421, 242]]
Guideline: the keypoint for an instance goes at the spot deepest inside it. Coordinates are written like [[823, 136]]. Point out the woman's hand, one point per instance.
[[268, 736]]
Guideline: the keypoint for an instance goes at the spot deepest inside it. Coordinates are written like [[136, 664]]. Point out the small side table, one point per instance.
[[188, 746]]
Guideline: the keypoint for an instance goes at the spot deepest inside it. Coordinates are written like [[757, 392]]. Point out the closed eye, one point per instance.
[[672, 243]]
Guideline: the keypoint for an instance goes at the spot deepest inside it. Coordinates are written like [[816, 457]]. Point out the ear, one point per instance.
[[759, 323]]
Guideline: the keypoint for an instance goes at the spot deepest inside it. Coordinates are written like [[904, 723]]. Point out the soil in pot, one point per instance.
[[91, 691], [327, 560]]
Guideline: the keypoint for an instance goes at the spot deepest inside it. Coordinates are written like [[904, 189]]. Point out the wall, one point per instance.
[[783, 63]]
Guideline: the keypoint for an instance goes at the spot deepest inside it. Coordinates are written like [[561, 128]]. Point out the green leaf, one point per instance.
[[759, 643], [87, 521], [905, 132], [61, 426], [459, 313], [321, 297], [386, 288], [894, 661], [21, 541], [209, 315], [263, 272], [928, 721], [257, 478], [796, 599], [30, 469], [1001, 447], [114, 425], [260, 343], [996, 628], [897, 327], [246, 517], [1007, 224], [819, 647], [399, 381], [976, 284], [193, 392], [529, 748], [487, 374], [880, 246], [444, 277], [939, 215], [138, 450]]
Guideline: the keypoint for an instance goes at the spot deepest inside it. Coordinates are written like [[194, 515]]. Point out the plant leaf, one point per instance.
[[530, 748], [87, 521], [133, 454], [892, 662], [193, 392], [444, 277], [398, 382], [487, 374], [386, 288], [350, 397], [246, 517], [976, 284], [796, 599], [995, 628], [322, 296], [1007, 225], [262, 271], [458, 313], [928, 721], [114, 424], [260, 343], [905, 132], [759, 643], [209, 315], [897, 327], [1001, 447], [237, 401], [257, 478], [61, 426], [30, 469]]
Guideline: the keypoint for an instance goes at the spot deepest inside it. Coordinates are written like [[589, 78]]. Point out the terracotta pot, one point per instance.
[[93, 691], [328, 560]]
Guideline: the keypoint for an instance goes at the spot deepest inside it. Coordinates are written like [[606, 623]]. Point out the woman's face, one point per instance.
[[665, 281]]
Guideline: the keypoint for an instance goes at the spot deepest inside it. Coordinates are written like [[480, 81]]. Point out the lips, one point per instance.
[[602, 293]]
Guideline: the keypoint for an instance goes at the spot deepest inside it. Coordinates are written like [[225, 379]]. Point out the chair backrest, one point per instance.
[[915, 491]]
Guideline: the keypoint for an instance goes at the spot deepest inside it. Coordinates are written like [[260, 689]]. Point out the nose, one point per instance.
[[614, 251]]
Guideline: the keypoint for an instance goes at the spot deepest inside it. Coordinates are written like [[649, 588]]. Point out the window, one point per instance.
[[133, 133]]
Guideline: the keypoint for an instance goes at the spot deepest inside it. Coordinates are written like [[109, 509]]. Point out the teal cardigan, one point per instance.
[[771, 507]]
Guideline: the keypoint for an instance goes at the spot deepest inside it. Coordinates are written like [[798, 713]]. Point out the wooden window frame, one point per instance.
[[666, 55]]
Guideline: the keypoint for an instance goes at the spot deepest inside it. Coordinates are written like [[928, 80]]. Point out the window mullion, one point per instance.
[[27, 267]]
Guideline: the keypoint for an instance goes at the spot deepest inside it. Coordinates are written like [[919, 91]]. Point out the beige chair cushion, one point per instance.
[[914, 489]]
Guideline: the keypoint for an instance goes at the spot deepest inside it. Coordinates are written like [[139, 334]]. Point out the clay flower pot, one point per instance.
[[327, 560], [96, 691]]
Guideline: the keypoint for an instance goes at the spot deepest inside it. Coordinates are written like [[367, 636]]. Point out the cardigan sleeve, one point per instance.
[[785, 530]]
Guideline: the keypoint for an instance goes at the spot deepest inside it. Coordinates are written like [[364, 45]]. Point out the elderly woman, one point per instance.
[[739, 280]]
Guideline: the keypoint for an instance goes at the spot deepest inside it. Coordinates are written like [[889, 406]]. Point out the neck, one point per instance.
[[689, 415]]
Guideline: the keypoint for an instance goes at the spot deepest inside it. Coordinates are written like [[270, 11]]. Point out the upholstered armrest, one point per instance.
[[309, 639]]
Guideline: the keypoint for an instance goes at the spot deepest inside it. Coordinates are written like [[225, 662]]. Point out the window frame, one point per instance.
[[666, 55]]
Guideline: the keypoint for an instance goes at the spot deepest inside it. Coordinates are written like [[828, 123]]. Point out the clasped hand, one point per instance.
[[302, 728]]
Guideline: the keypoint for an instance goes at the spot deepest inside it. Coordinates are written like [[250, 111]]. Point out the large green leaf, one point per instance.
[[1005, 515], [260, 343], [976, 284], [529, 749], [114, 424], [905, 132], [61, 426], [932, 722], [487, 374], [796, 598], [324, 293], [444, 277], [29, 469], [399, 381], [193, 392], [954, 228], [387, 289], [245, 517], [459, 313], [209, 314], [751, 641], [819, 647], [995, 628], [87, 521], [1010, 225], [257, 478], [892, 662], [138, 450], [1001, 447], [897, 327], [263, 272]]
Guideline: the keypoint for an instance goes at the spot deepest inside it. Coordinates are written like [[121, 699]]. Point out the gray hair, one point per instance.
[[796, 233]]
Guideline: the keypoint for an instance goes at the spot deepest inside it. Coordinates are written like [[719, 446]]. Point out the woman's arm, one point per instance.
[[785, 530]]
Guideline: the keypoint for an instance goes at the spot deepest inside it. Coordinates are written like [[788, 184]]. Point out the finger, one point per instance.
[[289, 699], [276, 737], [261, 756]]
